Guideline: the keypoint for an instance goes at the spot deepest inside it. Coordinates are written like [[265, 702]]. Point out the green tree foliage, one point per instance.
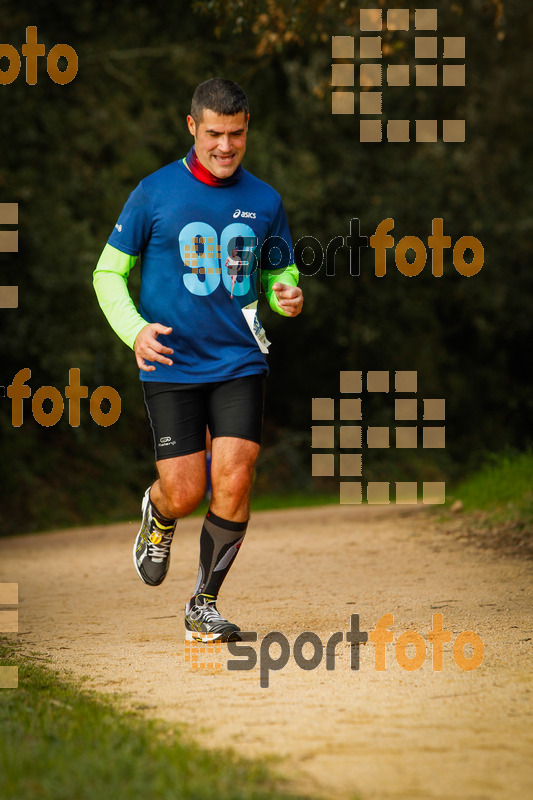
[[71, 154], [469, 337]]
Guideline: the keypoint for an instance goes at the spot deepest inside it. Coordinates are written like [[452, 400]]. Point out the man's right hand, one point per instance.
[[147, 347]]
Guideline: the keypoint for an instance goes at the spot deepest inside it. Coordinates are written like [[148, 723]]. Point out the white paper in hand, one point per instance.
[[250, 315]]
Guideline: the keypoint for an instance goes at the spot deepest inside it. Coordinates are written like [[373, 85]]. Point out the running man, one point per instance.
[[198, 342], [234, 265]]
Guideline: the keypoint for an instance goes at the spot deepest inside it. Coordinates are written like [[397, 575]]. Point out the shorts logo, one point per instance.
[[166, 440], [243, 214]]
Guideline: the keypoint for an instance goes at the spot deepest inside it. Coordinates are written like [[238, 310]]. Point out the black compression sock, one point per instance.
[[219, 544]]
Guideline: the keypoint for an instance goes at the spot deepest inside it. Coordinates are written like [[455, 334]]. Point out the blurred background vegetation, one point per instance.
[[71, 154]]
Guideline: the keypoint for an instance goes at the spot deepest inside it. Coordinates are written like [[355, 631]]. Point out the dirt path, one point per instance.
[[383, 734]]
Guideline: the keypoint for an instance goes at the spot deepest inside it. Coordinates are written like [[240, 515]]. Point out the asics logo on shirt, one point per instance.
[[245, 214]]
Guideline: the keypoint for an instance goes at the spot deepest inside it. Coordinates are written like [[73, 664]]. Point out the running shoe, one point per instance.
[[151, 549], [203, 623]]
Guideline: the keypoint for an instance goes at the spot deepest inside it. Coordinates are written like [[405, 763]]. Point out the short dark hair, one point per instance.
[[219, 95]]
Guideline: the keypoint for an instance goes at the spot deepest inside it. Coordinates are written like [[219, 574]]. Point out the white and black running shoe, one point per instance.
[[203, 623], [151, 549]]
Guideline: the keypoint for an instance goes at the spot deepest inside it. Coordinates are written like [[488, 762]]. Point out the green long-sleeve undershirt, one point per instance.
[[110, 281]]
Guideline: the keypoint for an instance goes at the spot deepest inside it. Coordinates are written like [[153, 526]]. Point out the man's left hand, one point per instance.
[[290, 298]]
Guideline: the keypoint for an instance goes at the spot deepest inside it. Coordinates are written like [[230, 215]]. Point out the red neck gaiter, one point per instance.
[[203, 174]]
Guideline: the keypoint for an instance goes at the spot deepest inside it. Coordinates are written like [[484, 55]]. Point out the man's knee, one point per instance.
[[235, 481], [183, 500]]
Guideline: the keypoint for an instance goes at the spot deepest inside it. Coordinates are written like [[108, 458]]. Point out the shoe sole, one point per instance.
[[206, 638]]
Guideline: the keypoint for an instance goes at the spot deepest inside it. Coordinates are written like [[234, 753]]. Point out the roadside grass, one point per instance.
[[271, 502], [497, 504], [504, 485], [59, 742], [261, 502]]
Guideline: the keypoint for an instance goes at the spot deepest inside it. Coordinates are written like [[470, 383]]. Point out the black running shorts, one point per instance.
[[180, 412]]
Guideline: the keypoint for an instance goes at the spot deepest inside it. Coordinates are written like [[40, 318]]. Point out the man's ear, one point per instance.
[[191, 124]]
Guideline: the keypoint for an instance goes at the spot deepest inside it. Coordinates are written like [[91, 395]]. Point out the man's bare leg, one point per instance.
[[178, 490], [232, 471], [181, 485], [223, 532], [176, 493]]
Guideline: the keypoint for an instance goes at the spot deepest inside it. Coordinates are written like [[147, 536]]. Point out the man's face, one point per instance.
[[220, 141]]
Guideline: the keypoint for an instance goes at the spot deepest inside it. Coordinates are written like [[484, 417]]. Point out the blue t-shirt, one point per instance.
[[198, 244]]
